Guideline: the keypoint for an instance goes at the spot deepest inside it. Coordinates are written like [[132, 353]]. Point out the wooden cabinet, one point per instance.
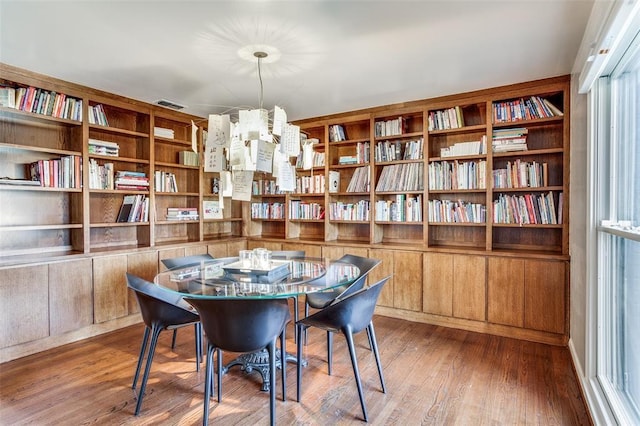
[[70, 296], [404, 289], [110, 293]]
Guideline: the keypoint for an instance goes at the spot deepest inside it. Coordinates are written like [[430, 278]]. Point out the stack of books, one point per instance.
[[390, 127], [100, 175], [163, 133], [401, 177], [465, 148], [507, 140], [188, 158], [137, 181], [99, 147], [40, 101], [63, 172], [360, 181], [97, 115], [450, 118], [182, 213], [336, 133], [165, 181], [402, 209]]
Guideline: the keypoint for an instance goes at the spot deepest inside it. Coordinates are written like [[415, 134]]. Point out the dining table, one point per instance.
[[233, 277]]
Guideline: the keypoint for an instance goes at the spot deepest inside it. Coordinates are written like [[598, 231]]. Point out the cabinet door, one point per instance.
[[384, 269], [195, 250], [407, 273], [70, 296], [24, 304], [469, 287], [169, 253], [110, 299], [506, 291], [544, 299], [310, 250], [332, 252], [234, 247], [143, 265], [437, 297], [269, 245]]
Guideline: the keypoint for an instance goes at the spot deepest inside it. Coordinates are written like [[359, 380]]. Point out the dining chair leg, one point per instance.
[[272, 378], [356, 373], [306, 314], [369, 338], [219, 374], [374, 348], [283, 364], [208, 384], [173, 339], [329, 350], [301, 329], [296, 317], [198, 337], [143, 349], [155, 332]]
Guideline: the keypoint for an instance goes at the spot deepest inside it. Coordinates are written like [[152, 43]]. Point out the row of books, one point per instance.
[[524, 109], [361, 156], [310, 184], [399, 209], [188, 158], [528, 209], [303, 210], [508, 140], [360, 180], [267, 210], [401, 177], [40, 101], [165, 181], [450, 211], [101, 176], [318, 160], [337, 133], [134, 208], [392, 127], [358, 211], [460, 149], [450, 118], [182, 213], [451, 175], [63, 172], [97, 115], [399, 150], [100, 147], [521, 174], [262, 187]]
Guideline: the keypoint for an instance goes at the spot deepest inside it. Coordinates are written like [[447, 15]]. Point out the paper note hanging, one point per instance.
[[242, 182], [290, 140]]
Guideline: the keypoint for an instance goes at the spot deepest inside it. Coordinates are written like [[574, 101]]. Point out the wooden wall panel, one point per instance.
[[505, 286], [544, 287], [70, 296], [407, 277], [110, 300], [384, 269], [437, 297], [143, 265], [469, 287], [24, 304]]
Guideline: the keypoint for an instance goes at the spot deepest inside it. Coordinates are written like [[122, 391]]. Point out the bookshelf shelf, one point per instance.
[[118, 224], [96, 128], [464, 129], [38, 188], [529, 153], [35, 119]]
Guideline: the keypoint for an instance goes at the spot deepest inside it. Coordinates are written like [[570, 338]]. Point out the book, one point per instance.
[[8, 97], [125, 208]]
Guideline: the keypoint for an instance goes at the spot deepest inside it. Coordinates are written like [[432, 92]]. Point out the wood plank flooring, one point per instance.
[[434, 376]]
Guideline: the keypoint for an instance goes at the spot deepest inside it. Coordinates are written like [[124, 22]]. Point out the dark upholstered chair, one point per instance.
[[348, 315], [322, 299], [160, 310], [291, 254], [242, 325]]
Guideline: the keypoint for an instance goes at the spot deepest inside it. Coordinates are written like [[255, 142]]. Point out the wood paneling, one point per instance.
[[70, 296], [544, 287], [505, 301], [110, 300], [437, 297], [24, 304], [384, 269], [407, 273], [469, 287], [145, 266], [310, 250]]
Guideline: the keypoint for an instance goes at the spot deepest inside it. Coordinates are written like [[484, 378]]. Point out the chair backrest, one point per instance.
[[355, 310], [241, 325], [181, 262], [288, 254], [366, 265], [160, 306]]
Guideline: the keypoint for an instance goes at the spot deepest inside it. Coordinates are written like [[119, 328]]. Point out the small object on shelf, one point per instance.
[[14, 181], [163, 132], [97, 115], [182, 213], [188, 158], [211, 209], [100, 147]]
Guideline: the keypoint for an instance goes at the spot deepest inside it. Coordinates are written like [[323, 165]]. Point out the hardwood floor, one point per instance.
[[434, 376]]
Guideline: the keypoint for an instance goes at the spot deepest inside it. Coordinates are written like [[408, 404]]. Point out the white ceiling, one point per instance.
[[335, 55]]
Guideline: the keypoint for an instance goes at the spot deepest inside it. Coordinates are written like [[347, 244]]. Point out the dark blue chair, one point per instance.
[[242, 326], [348, 315], [161, 310]]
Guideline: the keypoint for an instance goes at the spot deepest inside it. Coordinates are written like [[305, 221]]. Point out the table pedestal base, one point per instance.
[[259, 361]]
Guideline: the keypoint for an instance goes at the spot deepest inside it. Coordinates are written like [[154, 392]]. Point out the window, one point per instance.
[[617, 204]]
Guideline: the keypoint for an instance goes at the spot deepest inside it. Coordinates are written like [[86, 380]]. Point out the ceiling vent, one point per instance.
[[170, 104]]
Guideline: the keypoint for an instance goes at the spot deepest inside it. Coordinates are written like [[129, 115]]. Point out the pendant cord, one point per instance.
[[260, 78]]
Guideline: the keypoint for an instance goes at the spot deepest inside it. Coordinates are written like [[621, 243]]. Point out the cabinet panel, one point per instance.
[[407, 272], [469, 287], [309, 249], [544, 299], [384, 269], [21, 287], [110, 299], [506, 291], [234, 247], [269, 245], [143, 265], [438, 284], [169, 254], [70, 296]]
